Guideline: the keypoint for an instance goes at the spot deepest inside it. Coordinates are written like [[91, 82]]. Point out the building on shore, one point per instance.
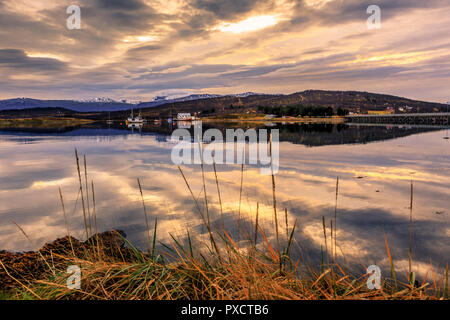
[[381, 112], [185, 117]]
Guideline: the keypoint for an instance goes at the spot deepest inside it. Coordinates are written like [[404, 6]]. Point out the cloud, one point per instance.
[[17, 59], [231, 9], [149, 45]]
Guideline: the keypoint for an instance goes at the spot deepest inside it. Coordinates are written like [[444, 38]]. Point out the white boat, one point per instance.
[[109, 121], [132, 119]]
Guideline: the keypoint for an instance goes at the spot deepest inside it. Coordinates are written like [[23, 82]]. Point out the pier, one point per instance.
[[441, 118]]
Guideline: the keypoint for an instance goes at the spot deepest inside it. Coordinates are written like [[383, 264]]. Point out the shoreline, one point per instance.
[[320, 120], [42, 122]]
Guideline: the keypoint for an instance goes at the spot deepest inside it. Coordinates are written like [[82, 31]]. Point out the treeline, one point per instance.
[[302, 110]]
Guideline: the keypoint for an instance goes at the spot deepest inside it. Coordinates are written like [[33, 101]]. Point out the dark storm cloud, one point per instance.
[[14, 58], [125, 5], [335, 12], [230, 9]]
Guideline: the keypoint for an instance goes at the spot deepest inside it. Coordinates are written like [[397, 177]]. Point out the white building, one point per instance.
[[184, 117]]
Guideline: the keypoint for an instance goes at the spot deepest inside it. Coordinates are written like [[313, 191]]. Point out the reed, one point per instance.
[[95, 217], [204, 184], [274, 196], [218, 194], [335, 219], [391, 262], [287, 224], [240, 199], [256, 224], [82, 195], [87, 195], [145, 214], [325, 241], [66, 222], [410, 274]]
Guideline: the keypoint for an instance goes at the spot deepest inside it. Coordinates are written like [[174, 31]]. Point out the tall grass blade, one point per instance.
[[411, 228], [95, 217], [218, 193], [335, 218], [287, 224], [87, 194], [240, 200], [391, 261], [256, 223], [81, 192], [274, 197], [145, 213], [154, 238], [66, 220], [326, 242]]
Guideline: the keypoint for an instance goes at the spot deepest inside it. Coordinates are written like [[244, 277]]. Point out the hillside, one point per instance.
[[216, 105], [351, 100]]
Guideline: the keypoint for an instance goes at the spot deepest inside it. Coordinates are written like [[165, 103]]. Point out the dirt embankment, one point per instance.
[[25, 267]]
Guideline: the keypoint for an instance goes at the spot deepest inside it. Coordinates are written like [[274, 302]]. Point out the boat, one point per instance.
[[132, 119], [109, 121]]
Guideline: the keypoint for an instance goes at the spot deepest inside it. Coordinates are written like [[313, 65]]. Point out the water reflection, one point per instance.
[[374, 188]]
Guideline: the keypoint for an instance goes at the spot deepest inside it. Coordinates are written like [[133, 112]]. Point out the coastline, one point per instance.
[[261, 120], [42, 122]]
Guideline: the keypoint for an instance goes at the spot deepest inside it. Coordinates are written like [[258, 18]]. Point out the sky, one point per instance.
[[138, 49]]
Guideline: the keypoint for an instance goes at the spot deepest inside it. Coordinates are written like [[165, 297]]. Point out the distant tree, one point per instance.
[[342, 112]]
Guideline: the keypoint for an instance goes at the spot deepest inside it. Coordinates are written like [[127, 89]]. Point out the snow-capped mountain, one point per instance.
[[98, 99], [245, 94]]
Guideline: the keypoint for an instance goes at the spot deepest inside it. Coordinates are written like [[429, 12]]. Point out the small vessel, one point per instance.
[[109, 121], [446, 137], [134, 126], [132, 119]]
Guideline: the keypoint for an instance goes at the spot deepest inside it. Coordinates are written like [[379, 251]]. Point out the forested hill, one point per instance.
[[350, 100]]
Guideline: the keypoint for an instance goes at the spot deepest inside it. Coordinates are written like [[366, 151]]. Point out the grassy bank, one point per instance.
[[256, 266], [42, 122], [182, 272]]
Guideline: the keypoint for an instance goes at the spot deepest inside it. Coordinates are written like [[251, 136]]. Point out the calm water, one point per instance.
[[374, 164]]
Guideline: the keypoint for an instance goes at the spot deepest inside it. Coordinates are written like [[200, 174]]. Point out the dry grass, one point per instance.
[[235, 275]]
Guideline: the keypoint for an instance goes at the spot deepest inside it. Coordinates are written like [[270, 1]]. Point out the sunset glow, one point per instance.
[[248, 25]]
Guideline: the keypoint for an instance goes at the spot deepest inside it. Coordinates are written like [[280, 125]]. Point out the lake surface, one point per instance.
[[375, 165]]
